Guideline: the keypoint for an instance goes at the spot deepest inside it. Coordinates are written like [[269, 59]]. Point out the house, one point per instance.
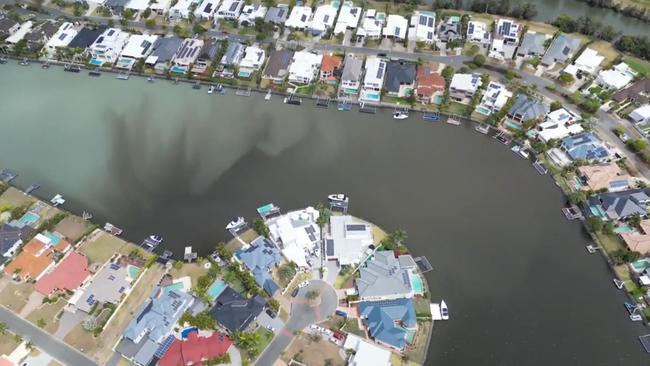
[[86, 37], [206, 55], [396, 27], [374, 79], [532, 44], [234, 312], [108, 46], [277, 66], [371, 26], [277, 14], [36, 257], [187, 54], [639, 242], [11, 238], [69, 275], [526, 109], [558, 124], [329, 67], [63, 36], [137, 5], [382, 278], [349, 17], [206, 10], [620, 205], [389, 322], [348, 240], [8, 26], [351, 76], [297, 235], [164, 50], [464, 86], [160, 7], [40, 34], [616, 78], [423, 27], [636, 93], [250, 13], [505, 39], [365, 353], [299, 18], [116, 6], [234, 53], [477, 32], [181, 10], [400, 78], [229, 9], [195, 350], [586, 146], [304, 67], [152, 324], [251, 61], [608, 176], [640, 115], [139, 47], [323, 19], [260, 257], [561, 49], [20, 33], [586, 64], [495, 97], [108, 285], [429, 83], [449, 31]]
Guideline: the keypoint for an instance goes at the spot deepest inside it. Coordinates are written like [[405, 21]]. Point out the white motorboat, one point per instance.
[[444, 311], [112, 229], [338, 198], [524, 153], [156, 238], [57, 200], [211, 89], [268, 95], [235, 223], [400, 115]]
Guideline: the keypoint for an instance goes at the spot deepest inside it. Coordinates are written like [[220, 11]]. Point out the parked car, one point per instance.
[[271, 313], [341, 313], [270, 328], [303, 284], [624, 137], [295, 292]]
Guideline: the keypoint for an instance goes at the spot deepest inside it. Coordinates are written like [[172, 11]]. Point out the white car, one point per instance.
[[303, 284], [624, 137]]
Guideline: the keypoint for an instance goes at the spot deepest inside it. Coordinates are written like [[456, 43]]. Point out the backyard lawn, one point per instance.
[[73, 227], [418, 351], [313, 352], [15, 198], [14, 296], [605, 49], [640, 66], [101, 246], [193, 270]]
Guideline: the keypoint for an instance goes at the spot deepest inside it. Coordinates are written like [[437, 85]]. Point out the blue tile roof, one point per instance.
[[386, 320], [260, 257], [585, 146]]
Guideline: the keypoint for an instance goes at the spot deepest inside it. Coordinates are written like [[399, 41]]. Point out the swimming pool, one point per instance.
[[96, 62], [54, 239], [624, 229], [29, 219], [640, 265], [483, 110], [597, 211], [185, 332], [244, 74], [512, 125], [216, 288], [178, 69], [437, 99], [372, 97], [133, 271], [416, 283]]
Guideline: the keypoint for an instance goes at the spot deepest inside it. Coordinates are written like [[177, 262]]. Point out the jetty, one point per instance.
[[344, 106], [370, 109], [7, 175], [503, 138], [112, 229], [293, 100], [243, 92], [431, 117], [322, 102], [94, 73], [196, 85], [189, 255], [32, 188], [539, 166], [572, 213], [122, 76], [454, 120], [483, 128], [423, 264]]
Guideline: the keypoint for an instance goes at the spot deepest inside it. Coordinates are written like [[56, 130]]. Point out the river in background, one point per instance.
[[548, 10], [163, 158]]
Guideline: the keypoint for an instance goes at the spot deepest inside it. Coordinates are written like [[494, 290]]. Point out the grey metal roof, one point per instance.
[[86, 37], [352, 68], [233, 53], [527, 108], [278, 62], [277, 15], [10, 235], [165, 48], [6, 24], [532, 44], [235, 312], [448, 31], [383, 277], [108, 285], [406, 261], [398, 73], [209, 49], [42, 32], [623, 204], [561, 49]]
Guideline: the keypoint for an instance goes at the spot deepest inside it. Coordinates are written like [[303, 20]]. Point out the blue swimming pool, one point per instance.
[[483, 110], [178, 69], [185, 332], [216, 288], [29, 219], [372, 97], [96, 62], [512, 125], [54, 239], [417, 284], [176, 287], [133, 272]]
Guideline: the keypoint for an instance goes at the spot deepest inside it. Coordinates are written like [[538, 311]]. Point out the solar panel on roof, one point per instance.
[[110, 32], [397, 31], [354, 11], [470, 28], [303, 18], [233, 6], [280, 13], [506, 28], [312, 237], [62, 36], [164, 346], [327, 17], [429, 35], [430, 23], [422, 20], [355, 227]]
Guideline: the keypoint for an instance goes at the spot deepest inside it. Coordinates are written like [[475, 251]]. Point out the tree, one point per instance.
[[595, 224], [223, 252], [555, 105], [479, 60], [637, 145], [473, 50], [150, 23], [566, 24], [273, 304], [577, 197], [260, 228], [3, 328], [146, 13], [566, 78], [198, 29], [312, 295], [41, 322], [448, 73]]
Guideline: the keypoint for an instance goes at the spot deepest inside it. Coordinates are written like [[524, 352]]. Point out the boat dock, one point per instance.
[[189, 255], [431, 117], [269, 211], [363, 108], [454, 120], [150, 244], [7, 175], [423, 264], [436, 314], [122, 76], [483, 128], [32, 188], [539, 166], [322, 102], [572, 213], [243, 92]]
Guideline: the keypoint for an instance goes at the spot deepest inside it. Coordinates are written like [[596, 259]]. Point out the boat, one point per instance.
[[211, 89], [70, 68], [32, 188], [592, 248], [400, 114], [94, 73], [515, 149], [150, 79], [444, 311], [3, 60], [122, 76], [267, 97], [631, 308], [523, 152], [433, 117], [502, 138], [7, 175], [618, 283], [156, 238], [235, 223], [220, 89], [176, 81], [539, 166], [45, 65], [197, 85], [322, 103], [24, 62], [453, 120], [483, 128], [344, 106], [338, 198], [114, 230], [151, 242], [291, 99], [572, 213], [86, 215], [57, 200]]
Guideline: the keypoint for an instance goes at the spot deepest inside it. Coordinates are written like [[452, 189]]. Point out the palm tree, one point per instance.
[[3, 328], [398, 236]]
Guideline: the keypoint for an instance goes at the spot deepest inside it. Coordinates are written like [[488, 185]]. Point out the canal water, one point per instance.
[[163, 158]]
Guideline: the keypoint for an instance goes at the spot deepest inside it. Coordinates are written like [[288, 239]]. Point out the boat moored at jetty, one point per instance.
[[112, 229], [400, 114], [444, 311], [235, 223], [57, 200], [338, 198], [151, 242]]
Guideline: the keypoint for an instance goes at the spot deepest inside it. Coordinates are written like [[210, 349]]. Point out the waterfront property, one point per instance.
[[495, 97], [639, 242], [558, 124], [561, 50], [206, 55], [532, 44], [586, 146], [304, 67], [138, 47], [251, 61], [351, 76], [107, 46], [383, 278], [86, 37], [163, 53], [234, 312], [391, 323], [8, 26], [348, 240], [619, 205], [277, 66], [11, 238], [526, 109], [298, 235], [348, 18], [260, 257], [505, 39], [40, 34], [373, 80], [186, 55], [36, 258], [365, 353], [608, 176], [233, 55], [67, 276], [615, 78], [400, 78], [463, 87], [20, 33], [396, 27], [423, 27], [330, 66], [61, 38], [108, 285], [430, 85]]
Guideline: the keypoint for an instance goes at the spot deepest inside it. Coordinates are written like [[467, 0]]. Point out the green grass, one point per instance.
[[640, 66], [266, 336], [352, 326], [609, 242], [422, 306]]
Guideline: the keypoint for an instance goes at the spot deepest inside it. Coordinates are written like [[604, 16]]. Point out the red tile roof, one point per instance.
[[68, 275], [428, 81], [330, 63], [195, 349]]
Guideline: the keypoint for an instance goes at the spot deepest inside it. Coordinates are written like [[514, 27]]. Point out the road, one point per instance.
[[45, 342], [302, 315]]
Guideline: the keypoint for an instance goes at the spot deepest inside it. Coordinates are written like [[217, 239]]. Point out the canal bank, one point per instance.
[[161, 158]]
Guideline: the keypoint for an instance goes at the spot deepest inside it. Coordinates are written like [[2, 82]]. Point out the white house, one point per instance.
[[396, 27], [181, 10], [299, 18], [616, 78], [464, 86], [496, 96], [366, 353], [250, 13], [19, 34], [304, 67], [139, 47], [371, 25], [323, 19], [108, 46], [348, 239], [641, 114], [206, 10], [298, 234], [229, 9], [61, 38], [188, 52], [349, 16], [423, 27], [586, 63], [351, 76], [558, 124], [252, 61], [505, 40], [477, 32], [137, 5], [160, 7], [373, 81]]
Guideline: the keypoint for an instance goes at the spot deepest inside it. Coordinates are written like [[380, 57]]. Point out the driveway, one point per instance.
[[302, 315], [264, 320], [68, 321]]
